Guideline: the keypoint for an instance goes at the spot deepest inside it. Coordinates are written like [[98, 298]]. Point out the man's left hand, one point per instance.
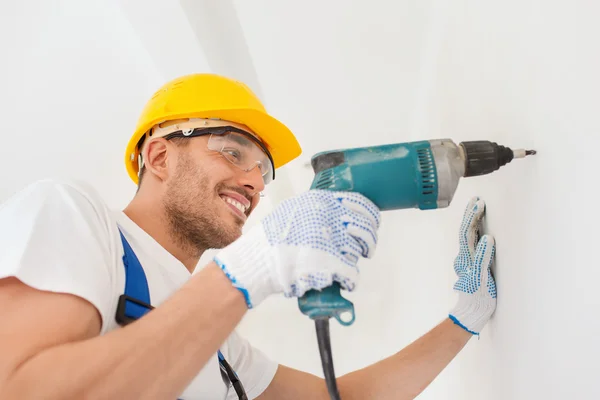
[[476, 287]]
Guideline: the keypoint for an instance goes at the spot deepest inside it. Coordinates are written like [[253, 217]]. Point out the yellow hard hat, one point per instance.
[[212, 96]]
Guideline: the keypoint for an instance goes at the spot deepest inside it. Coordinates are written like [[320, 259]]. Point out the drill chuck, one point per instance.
[[483, 157]]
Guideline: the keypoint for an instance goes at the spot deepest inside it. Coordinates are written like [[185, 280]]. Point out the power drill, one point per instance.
[[421, 174]]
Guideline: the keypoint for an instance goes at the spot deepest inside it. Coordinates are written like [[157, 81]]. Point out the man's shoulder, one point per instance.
[[56, 195], [44, 189], [62, 184]]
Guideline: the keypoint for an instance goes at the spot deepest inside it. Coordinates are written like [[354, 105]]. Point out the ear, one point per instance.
[[156, 158]]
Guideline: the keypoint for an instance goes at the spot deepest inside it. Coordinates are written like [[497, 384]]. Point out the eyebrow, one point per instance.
[[241, 139]]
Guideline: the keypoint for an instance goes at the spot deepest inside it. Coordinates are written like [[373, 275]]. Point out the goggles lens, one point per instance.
[[242, 152], [237, 146]]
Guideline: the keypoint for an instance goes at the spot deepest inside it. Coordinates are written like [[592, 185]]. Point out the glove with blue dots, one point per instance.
[[306, 243], [475, 286]]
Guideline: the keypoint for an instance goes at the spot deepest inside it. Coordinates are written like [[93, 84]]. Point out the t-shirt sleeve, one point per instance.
[[55, 238], [254, 369]]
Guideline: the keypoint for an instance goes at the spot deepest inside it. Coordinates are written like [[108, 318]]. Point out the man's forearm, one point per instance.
[[406, 374], [155, 357]]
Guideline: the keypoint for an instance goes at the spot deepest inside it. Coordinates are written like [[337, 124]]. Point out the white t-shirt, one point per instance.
[[61, 237]]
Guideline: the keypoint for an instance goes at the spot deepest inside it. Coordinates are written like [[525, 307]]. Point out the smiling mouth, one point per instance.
[[235, 205]]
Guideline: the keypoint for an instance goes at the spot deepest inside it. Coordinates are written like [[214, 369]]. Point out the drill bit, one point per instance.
[[522, 153]]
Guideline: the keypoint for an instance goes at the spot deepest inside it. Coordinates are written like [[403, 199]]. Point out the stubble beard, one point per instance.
[[190, 211]]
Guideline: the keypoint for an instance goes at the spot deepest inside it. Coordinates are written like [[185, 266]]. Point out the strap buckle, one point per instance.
[[126, 315]]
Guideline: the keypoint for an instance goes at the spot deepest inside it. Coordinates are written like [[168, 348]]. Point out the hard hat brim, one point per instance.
[[279, 140]]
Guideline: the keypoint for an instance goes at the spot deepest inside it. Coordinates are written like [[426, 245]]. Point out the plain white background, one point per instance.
[[75, 75]]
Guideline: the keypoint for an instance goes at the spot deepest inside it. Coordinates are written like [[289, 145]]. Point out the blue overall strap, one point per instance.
[[136, 300]]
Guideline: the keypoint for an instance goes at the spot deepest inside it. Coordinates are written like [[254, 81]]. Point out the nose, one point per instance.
[[252, 180]]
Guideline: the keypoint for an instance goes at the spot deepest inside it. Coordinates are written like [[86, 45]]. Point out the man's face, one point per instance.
[[208, 199]]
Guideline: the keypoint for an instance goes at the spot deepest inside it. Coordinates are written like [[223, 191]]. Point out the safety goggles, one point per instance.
[[237, 146]]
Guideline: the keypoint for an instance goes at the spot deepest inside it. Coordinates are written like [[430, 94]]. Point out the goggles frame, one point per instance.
[[221, 130]]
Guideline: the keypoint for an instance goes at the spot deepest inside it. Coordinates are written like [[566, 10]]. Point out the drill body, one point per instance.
[[395, 176], [421, 174]]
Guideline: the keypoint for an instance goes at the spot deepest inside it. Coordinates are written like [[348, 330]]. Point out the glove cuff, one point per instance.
[[248, 263], [473, 311]]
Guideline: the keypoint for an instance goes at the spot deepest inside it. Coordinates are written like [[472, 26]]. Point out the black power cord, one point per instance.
[[322, 327]]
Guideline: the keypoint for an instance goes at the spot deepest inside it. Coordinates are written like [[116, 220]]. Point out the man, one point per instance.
[[203, 150]]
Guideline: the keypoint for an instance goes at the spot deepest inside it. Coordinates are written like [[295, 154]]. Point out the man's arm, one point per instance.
[[401, 376], [49, 333], [406, 374], [52, 351]]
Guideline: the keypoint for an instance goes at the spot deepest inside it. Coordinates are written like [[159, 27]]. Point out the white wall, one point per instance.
[[74, 78], [523, 74], [75, 75]]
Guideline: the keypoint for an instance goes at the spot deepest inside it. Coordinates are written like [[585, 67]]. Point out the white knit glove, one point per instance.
[[306, 243], [475, 286]]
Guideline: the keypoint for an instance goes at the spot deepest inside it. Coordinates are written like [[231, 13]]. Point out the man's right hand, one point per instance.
[[306, 243]]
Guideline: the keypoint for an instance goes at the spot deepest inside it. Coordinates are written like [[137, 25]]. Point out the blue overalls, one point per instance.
[[135, 302]]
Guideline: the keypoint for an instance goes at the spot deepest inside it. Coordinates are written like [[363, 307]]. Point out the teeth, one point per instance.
[[236, 203]]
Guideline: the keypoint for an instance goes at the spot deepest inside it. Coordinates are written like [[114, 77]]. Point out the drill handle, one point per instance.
[[327, 303]]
